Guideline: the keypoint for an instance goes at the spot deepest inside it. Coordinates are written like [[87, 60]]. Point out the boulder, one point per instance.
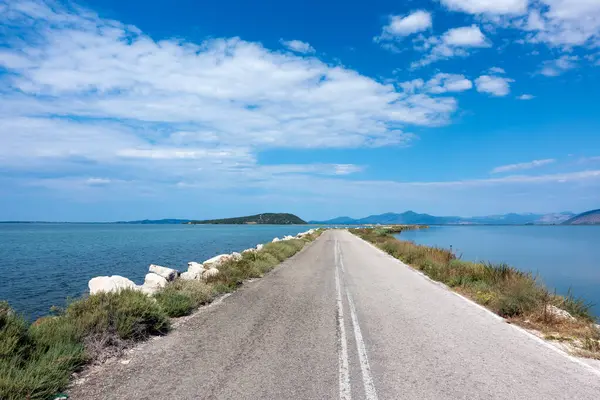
[[195, 268], [248, 251], [288, 237], [559, 313], [194, 271], [169, 274], [194, 264], [259, 247], [276, 240], [209, 273], [236, 256], [153, 281], [110, 284], [188, 276], [217, 260]]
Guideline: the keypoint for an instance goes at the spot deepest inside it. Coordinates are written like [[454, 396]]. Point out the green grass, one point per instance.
[[181, 297], [500, 287], [37, 360]]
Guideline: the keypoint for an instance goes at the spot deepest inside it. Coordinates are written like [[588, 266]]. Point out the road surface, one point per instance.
[[343, 320]]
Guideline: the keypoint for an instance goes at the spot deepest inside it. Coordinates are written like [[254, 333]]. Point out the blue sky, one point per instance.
[[116, 110]]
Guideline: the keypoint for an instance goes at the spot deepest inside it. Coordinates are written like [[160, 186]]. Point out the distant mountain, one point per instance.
[[413, 218], [586, 218], [259, 219], [156, 221]]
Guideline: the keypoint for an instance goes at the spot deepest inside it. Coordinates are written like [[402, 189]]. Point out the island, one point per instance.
[[258, 219]]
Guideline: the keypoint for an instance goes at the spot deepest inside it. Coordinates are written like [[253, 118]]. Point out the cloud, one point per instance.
[[585, 160], [497, 7], [523, 166], [497, 70], [526, 97], [442, 83], [438, 84], [564, 23], [466, 36], [404, 25], [455, 42], [559, 66], [298, 46], [84, 95], [494, 85], [98, 181], [558, 23], [346, 169]]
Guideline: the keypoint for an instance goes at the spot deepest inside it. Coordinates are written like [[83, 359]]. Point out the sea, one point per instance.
[[45, 265], [564, 258]]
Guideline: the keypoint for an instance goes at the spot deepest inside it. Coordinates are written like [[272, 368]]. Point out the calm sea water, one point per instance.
[[563, 256], [41, 265]]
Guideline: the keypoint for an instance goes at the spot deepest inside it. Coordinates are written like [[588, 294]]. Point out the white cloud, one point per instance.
[[497, 70], [98, 181], [89, 96], [298, 46], [526, 97], [558, 23], [442, 83], [585, 160], [523, 166], [346, 169], [560, 65], [404, 25], [455, 42], [494, 85], [498, 7], [413, 85], [466, 36]]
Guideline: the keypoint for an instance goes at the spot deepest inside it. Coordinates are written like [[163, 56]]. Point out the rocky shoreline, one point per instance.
[[158, 276]]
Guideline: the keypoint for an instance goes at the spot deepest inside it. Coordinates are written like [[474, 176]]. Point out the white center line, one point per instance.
[[344, 371], [370, 392]]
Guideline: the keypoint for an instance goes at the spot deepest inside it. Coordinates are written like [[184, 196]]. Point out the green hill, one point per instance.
[[259, 219]]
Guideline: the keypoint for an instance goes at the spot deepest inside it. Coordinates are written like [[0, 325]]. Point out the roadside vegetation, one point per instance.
[[37, 360], [515, 295]]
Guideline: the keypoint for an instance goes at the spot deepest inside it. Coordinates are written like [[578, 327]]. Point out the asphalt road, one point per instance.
[[342, 320]]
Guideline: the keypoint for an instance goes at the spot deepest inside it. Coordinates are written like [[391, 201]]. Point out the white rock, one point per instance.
[[288, 237], [559, 314], [195, 268], [259, 247], [189, 276], [168, 273], [210, 272], [276, 240], [217, 260], [154, 281], [249, 251], [148, 291], [110, 284]]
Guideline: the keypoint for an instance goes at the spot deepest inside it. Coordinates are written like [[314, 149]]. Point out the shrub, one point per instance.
[[577, 307], [44, 357], [14, 341], [199, 292], [129, 315], [174, 303]]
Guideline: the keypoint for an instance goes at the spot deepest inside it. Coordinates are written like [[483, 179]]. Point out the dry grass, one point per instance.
[[510, 293]]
